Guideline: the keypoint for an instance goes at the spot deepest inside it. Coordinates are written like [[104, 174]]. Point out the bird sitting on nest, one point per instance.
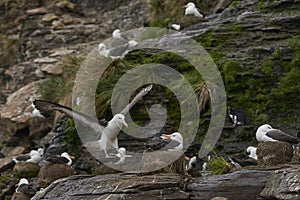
[[170, 142], [35, 156], [266, 133], [24, 190], [64, 158], [242, 160]]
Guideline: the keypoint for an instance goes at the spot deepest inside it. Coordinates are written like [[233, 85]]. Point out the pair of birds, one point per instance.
[[264, 133], [36, 156], [122, 46]]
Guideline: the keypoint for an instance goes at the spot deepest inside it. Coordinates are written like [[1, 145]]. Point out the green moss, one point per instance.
[[276, 54], [266, 67], [230, 70]]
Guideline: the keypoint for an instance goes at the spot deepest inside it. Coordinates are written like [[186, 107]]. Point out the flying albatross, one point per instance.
[[266, 133], [174, 142], [190, 9], [24, 187], [108, 130]]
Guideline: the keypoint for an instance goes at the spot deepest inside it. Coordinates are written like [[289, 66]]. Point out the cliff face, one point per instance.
[[255, 45]]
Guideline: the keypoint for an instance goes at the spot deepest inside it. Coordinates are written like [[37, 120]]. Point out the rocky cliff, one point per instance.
[[255, 45]]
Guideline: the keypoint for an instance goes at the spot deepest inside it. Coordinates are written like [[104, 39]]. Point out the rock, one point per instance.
[[219, 198], [50, 173], [67, 19], [52, 69], [66, 5], [61, 52], [45, 60], [283, 184], [244, 184], [274, 153], [20, 196], [36, 11], [18, 107], [26, 169], [6, 163], [49, 18], [116, 186], [12, 151], [222, 4]]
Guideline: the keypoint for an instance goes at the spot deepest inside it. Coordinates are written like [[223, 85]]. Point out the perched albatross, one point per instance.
[[64, 158], [174, 142], [34, 156], [267, 133], [118, 52], [24, 187], [190, 9], [108, 130]]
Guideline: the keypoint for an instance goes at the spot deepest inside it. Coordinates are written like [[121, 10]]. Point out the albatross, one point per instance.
[[266, 133], [190, 9], [35, 156], [108, 130], [118, 52], [24, 187], [174, 142], [64, 158]]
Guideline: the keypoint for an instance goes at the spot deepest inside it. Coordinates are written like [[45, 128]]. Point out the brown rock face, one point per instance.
[[274, 153], [50, 173]]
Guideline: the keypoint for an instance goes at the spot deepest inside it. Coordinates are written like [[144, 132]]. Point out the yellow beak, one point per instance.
[[125, 124], [165, 135]]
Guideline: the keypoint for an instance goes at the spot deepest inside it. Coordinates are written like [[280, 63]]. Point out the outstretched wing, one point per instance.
[[84, 119], [277, 134], [142, 93]]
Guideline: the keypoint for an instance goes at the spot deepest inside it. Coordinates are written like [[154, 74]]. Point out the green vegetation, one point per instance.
[[218, 165], [49, 88]]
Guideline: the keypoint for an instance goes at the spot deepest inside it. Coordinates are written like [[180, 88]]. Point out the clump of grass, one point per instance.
[[55, 87], [218, 165]]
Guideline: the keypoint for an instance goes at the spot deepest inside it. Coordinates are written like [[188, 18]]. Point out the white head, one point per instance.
[[190, 5], [102, 47], [261, 132], [34, 153], [23, 181], [252, 152], [119, 120], [193, 159], [116, 33], [41, 151], [264, 128], [67, 156], [122, 152], [177, 136]]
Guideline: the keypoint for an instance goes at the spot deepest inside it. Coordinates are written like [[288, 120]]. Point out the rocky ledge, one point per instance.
[[248, 184]]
